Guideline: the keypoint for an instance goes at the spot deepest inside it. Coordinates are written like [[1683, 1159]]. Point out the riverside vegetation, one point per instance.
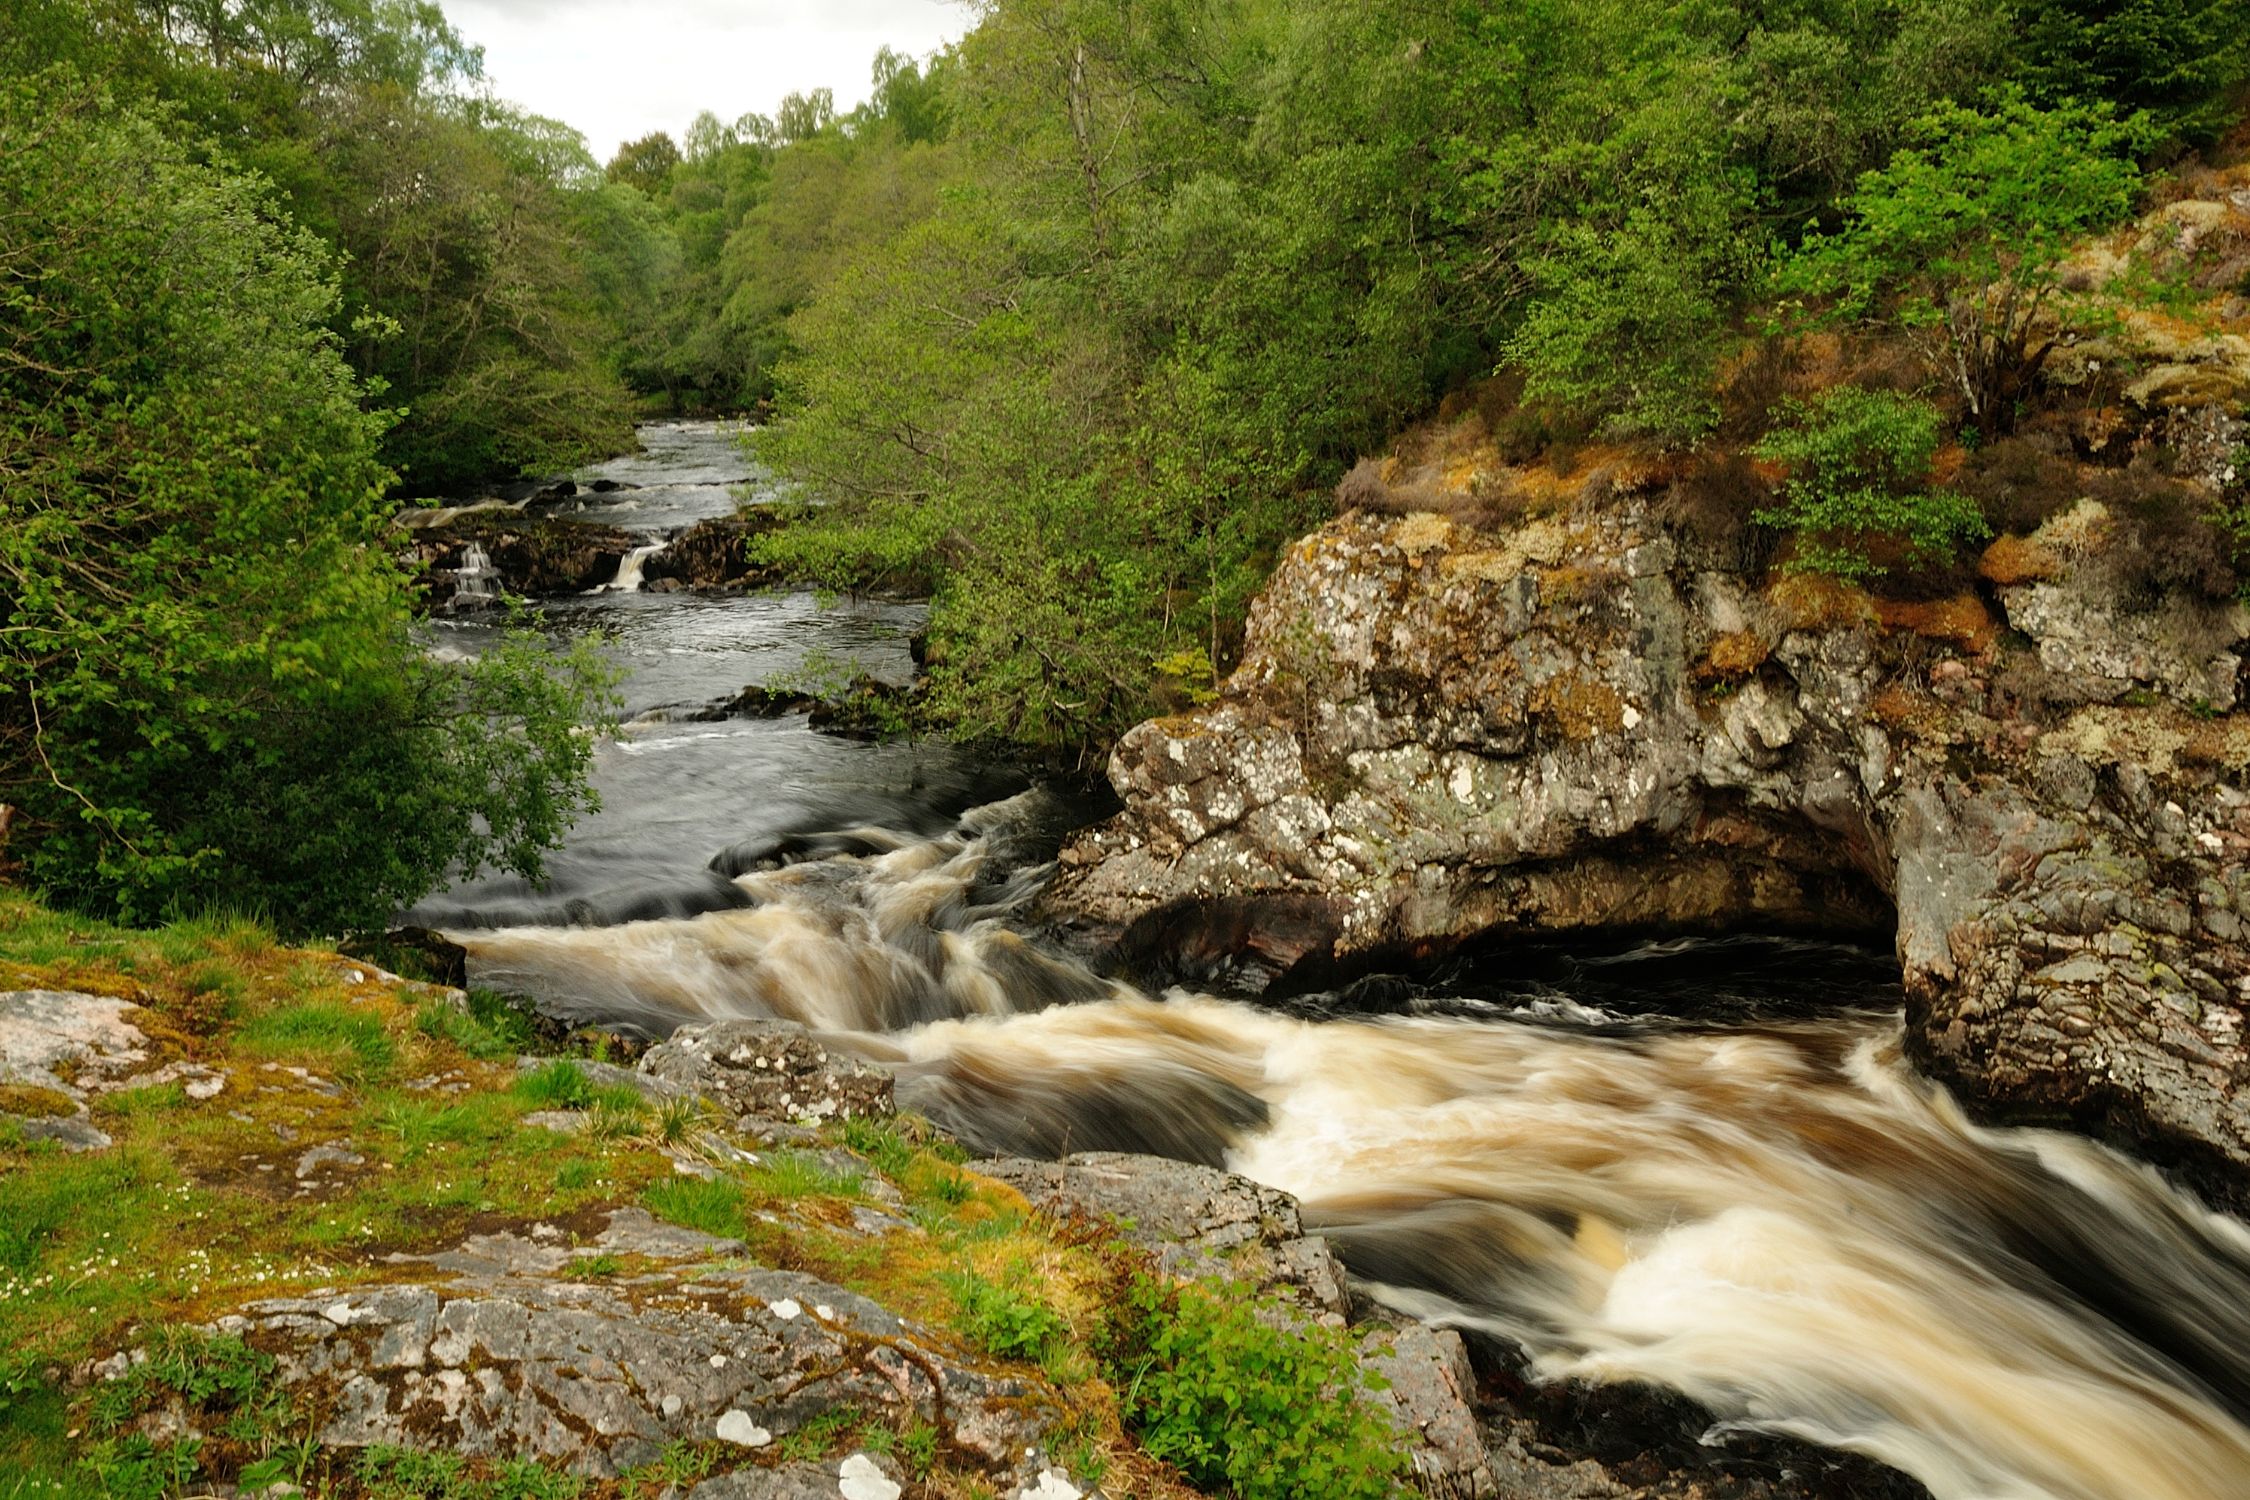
[[419, 1126]]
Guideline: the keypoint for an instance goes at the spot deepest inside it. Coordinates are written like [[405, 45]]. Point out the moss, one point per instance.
[[1580, 707], [33, 1103]]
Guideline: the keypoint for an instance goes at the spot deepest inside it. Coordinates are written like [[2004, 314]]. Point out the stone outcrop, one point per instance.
[[714, 554], [1201, 1224], [59, 1051], [497, 1349], [1579, 723], [768, 1070]]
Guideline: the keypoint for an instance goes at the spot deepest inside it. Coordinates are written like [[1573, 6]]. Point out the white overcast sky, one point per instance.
[[618, 69]]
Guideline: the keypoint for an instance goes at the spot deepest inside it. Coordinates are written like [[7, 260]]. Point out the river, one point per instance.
[[1763, 1208]]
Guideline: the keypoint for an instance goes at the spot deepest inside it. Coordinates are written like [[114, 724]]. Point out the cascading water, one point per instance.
[[1776, 1218], [629, 570], [476, 582]]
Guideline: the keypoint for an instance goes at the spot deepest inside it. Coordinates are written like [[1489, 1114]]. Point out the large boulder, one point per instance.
[[1571, 724], [1200, 1224]]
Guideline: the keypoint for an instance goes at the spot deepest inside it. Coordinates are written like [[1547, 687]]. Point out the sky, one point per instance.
[[618, 69]]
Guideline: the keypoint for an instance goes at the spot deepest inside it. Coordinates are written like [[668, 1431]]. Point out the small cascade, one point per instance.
[[476, 582], [629, 570]]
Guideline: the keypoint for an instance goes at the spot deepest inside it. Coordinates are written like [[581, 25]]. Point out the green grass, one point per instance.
[[350, 1040], [716, 1207], [486, 1027]]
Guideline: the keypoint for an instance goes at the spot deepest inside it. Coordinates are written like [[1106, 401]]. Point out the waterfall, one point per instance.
[[476, 581], [1778, 1219], [629, 568]]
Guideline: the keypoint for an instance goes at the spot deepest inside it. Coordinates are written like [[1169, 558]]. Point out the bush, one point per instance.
[[1855, 498], [1262, 1409], [1960, 240]]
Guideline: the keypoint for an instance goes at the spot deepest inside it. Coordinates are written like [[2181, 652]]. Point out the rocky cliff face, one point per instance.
[[1444, 733]]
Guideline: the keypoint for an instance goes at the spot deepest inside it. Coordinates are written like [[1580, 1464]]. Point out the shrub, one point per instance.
[[1003, 1320], [1960, 240], [1855, 498], [1236, 1399]]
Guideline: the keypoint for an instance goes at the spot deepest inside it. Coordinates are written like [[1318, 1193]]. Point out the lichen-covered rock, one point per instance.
[[1441, 734], [1201, 1224], [493, 1349], [769, 1070], [59, 1050], [1197, 1222]]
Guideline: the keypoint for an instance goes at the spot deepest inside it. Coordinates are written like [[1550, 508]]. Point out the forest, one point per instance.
[[1071, 327]]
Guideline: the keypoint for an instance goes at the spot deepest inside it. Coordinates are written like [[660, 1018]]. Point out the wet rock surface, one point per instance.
[[1442, 734], [536, 556], [495, 1349], [715, 554], [768, 1070]]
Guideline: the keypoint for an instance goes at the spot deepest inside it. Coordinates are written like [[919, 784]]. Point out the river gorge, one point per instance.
[[1706, 1164]]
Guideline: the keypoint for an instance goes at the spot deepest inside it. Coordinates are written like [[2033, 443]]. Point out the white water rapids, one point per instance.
[[1777, 1219]]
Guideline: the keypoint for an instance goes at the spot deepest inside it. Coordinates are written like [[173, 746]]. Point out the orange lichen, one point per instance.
[[1733, 656], [2012, 560], [1807, 601], [1963, 620], [1581, 707]]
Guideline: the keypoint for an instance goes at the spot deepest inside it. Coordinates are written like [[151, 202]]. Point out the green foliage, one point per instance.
[[1960, 239], [232, 1390], [1856, 496], [1266, 1409], [485, 1026], [1004, 1320], [405, 1474], [353, 1038], [2183, 61], [207, 687]]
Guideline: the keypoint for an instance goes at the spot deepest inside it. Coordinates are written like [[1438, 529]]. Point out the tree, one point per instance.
[[2182, 61], [208, 691], [1960, 239], [646, 164]]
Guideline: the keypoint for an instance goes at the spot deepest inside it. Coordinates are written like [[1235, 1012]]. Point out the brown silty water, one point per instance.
[[1773, 1216]]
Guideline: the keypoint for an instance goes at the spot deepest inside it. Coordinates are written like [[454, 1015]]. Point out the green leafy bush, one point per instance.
[[1234, 1399], [208, 689], [1005, 1320], [1960, 239], [1856, 497]]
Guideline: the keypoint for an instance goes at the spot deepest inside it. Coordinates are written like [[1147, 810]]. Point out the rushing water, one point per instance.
[[1769, 1213]]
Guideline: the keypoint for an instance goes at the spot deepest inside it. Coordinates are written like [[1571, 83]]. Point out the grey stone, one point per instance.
[[499, 1353], [768, 1070]]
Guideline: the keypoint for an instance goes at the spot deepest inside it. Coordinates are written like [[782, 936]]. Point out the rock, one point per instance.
[[768, 1070], [714, 554], [60, 1049], [1435, 737], [1196, 1221], [1430, 1392], [1202, 1224], [494, 1351], [537, 556]]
